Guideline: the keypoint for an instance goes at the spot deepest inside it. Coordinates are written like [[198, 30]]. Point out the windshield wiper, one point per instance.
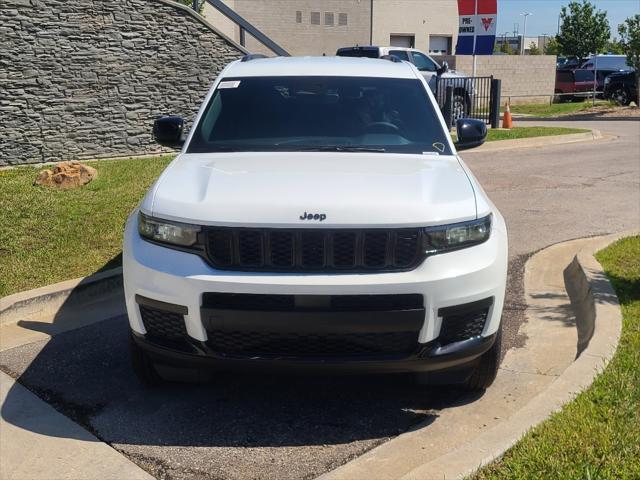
[[342, 148]]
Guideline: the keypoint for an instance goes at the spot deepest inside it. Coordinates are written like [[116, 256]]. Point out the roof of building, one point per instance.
[[320, 66]]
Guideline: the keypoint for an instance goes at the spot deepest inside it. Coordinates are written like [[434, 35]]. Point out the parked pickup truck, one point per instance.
[[430, 70], [317, 218], [621, 87]]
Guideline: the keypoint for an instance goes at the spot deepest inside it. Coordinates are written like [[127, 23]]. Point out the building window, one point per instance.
[[298, 16], [328, 18], [342, 19], [315, 18], [439, 45], [405, 41]]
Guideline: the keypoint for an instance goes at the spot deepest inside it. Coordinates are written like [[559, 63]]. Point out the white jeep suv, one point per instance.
[[317, 217]]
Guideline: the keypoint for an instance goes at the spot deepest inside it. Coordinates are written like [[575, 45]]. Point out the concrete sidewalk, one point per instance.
[[533, 381], [66, 451]]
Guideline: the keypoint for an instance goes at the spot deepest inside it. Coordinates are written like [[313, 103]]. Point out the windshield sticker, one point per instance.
[[438, 146], [229, 84]]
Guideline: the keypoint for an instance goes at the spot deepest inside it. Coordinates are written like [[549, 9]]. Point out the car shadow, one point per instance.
[[85, 374]]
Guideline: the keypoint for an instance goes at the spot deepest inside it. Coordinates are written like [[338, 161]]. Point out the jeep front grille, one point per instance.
[[313, 250]]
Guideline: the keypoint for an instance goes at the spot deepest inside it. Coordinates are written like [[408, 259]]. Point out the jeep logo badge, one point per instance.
[[313, 216]]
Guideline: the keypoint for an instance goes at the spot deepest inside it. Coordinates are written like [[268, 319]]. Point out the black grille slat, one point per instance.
[[375, 249], [250, 248], [312, 345], [221, 247], [312, 246], [313, 250], [344, 249], [281, 246], [407, 244]]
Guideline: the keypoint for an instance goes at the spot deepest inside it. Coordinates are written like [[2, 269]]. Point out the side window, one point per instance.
[[584, 75], [423, 63], [401, 54]]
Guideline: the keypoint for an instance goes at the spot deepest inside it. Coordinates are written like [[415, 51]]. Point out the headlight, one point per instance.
[[165, 231], [446, 238]]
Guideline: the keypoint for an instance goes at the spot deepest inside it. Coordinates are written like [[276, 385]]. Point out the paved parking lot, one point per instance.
[[294, 427]]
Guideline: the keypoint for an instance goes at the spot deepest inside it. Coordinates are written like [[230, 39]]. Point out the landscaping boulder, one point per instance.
[[66, 175]]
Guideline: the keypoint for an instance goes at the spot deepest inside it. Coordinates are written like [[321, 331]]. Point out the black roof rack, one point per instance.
[[252, 56]]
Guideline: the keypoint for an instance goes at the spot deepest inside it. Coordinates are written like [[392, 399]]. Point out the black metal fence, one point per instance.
[[471, 97]]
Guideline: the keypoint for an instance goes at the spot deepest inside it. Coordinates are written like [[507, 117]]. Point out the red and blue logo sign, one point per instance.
[[477, 27]]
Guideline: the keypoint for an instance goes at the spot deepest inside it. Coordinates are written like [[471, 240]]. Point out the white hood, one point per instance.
[[275, 189]]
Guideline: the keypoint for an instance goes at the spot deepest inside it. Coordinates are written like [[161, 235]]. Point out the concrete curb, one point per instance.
[[500, 145], [598, 321], [46, 301]]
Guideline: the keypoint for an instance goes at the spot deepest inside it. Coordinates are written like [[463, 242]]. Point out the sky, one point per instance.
[[544, 18]]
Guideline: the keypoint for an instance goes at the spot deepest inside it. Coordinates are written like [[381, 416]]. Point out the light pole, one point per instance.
[[524, 32]]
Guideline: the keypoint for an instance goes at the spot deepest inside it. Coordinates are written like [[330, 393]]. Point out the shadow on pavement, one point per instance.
[[85, 373]]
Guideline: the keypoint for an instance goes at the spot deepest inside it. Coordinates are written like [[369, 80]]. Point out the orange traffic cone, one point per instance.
[[507, 121]]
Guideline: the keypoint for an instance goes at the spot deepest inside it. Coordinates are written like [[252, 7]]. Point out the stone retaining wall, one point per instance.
[[84, 79]]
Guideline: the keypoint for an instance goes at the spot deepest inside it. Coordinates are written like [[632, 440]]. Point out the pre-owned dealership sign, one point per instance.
[[477, 27]]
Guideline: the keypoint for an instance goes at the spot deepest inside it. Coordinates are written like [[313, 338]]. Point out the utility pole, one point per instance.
[[524, 32]]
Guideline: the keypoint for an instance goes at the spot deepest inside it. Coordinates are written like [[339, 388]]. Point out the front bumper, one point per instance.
[[443, 282]]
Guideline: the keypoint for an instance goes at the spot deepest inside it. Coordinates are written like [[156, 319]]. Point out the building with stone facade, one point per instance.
[[316, 27]]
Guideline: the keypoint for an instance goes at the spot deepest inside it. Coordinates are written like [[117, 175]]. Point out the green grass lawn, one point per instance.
[[527, 132], [47, 235], [555, 109], [597, 436]]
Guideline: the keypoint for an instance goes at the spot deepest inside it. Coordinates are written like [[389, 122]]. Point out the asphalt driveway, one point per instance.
[[257, 426]]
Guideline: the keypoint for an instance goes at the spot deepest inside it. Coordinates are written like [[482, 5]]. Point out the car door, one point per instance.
[[427, 67], [583, 80]]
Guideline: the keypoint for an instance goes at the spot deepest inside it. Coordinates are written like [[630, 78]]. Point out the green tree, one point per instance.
[[630, 42], [552, 47], [534, 50], [583, 30], [613, 47], [506, 48]]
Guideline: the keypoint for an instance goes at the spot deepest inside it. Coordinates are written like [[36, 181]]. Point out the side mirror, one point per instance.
[[471, 133], [443, 69], [168, 131]]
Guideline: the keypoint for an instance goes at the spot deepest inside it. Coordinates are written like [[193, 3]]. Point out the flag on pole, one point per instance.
[[477, 27]]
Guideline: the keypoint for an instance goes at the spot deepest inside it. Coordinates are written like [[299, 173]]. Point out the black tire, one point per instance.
[[560, 98], [142, 366], [486, 370], [461, 105], [621, 96]]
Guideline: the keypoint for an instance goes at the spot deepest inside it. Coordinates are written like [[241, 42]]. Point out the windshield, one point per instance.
[[319, 113]]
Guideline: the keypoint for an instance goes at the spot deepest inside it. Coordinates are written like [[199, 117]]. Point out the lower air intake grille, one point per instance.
[[270, 344], [462, 322], [163, 325]]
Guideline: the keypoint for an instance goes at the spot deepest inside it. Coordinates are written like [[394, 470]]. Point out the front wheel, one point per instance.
[[486, 370], [142, 366], [461, 105], [621, 96]]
